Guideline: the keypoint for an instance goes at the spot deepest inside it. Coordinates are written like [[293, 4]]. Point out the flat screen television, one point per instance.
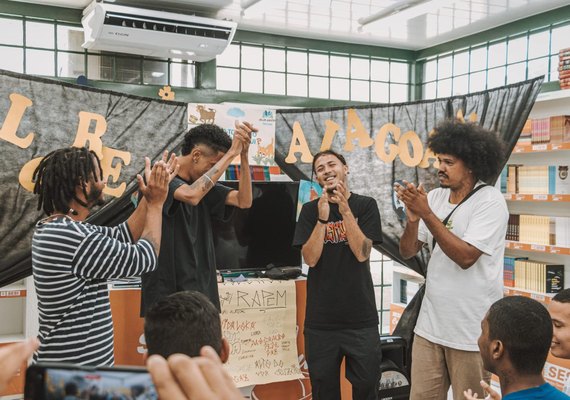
[[252, 239]]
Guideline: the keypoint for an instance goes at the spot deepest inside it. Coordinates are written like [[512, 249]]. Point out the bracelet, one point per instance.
[[322, 221], [210, 179]]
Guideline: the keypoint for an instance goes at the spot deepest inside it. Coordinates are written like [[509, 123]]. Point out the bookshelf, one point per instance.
[[539, 248], [551, 198], [539, 204]]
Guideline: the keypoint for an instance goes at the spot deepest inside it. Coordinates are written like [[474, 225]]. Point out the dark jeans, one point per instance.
[[325, 349]]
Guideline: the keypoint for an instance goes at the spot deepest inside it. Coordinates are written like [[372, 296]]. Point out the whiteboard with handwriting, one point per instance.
[[259, 322]]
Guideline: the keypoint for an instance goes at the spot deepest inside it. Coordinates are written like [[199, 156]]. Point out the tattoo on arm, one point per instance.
[[366, 247], [205, 182]]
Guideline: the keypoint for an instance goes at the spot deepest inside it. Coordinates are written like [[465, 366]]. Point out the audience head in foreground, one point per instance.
[[184, 322], [514, 343]]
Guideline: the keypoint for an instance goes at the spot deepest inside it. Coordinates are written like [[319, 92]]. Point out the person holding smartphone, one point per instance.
[[72, 260], [464, 223], [336, 233]]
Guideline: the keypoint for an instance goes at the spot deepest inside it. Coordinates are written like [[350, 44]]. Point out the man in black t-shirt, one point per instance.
[[187, 256], [336, 233]]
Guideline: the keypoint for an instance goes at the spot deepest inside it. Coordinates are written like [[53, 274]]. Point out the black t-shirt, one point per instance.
[[187, 259], [340, 293]]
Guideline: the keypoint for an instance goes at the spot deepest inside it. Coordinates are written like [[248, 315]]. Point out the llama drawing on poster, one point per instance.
[[262, 147]]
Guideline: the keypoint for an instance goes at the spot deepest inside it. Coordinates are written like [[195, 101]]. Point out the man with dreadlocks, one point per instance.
[[464, 222], [72, 260]]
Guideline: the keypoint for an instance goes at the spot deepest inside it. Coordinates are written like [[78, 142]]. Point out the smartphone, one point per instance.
[[47, 381]]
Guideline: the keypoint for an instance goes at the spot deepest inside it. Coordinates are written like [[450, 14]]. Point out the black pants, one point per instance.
[[325, 350]]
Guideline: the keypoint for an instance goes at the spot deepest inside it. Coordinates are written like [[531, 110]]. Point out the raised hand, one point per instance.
[[415, 199], [197, 378], [492, 395], [323, 206], [244, 131], [155, 189], [340, 197]]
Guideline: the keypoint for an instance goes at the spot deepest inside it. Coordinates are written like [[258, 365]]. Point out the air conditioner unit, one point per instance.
[[154, 33]]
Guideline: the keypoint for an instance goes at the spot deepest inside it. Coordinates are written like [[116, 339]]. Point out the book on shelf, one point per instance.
[[535, 179], [539, 230], [537, 276]]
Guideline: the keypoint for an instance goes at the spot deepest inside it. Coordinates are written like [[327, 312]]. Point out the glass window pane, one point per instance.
[[340, 66], [251, 57], [183, 74], [227, 79], [128, 70], [538, 67], [444, 88], [477, 81], [339, 89], [359, 90], [398, 72], [429, 90], [39, 34], [155, 72], [359, 68], [230, 56], [559, 39], [12, 31], [251, 81], [478, 59], [461, 63], [444, 68], [40, 62], [516, 72], [69, 38], [380, 70], [460, 85], [517, 49], [12, 59], [495, 77], [297, 85], [430, 70], [297, 62], [70, 65], [318, 87], [274, 60], [100, 67], [274, 83], [553, 68], [318, 65], [497, 54], [538, 44], [380, 92], [398, 93]]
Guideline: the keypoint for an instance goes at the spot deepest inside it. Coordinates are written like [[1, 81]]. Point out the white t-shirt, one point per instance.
[[456, 300]]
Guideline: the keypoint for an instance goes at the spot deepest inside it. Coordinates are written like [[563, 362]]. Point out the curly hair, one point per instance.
[[480, 149], [60, 172], [209, 135]]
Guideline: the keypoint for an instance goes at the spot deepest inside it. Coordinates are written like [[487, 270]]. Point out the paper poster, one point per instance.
[[262, 148], [308, 191], [259, 319]]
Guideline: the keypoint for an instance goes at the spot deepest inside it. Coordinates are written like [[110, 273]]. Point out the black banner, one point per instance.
[[385, 143]]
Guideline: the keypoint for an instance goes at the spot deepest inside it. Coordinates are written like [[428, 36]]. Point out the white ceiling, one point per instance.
[[427, 23]]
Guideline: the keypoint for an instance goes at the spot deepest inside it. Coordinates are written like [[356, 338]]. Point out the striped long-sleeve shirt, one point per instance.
[[72, 262]]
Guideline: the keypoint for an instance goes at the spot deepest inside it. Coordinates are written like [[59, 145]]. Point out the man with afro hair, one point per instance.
[[463, 222], [187, 257]]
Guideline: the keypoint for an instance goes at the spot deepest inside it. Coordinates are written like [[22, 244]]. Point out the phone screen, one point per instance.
[[84, 383]]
